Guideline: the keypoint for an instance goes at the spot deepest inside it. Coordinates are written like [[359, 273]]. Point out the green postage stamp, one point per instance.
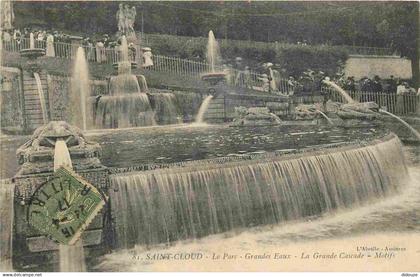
[[64, 206]]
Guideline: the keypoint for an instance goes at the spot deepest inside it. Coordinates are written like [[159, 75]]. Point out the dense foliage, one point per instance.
[[370, 23], [353, 23], [292, 57]]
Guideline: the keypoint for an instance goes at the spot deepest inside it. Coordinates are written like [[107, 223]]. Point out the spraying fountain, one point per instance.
[[124, 56], [366, 110], [340, 90], [126, 105], [72, 257], [214, 79], [214, 75], [414, 131], [213, 52], [80, 113]]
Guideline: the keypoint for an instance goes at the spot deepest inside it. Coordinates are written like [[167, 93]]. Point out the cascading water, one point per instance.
[[6, 226], [41, 98], [164, 105], [213, 52], [203, 108], [80, 109], [72, 257], [178, 203], [124, 49], [127, 105], [120, 111]]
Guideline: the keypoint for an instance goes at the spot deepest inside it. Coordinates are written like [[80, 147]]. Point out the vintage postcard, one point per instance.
[[197, 136]]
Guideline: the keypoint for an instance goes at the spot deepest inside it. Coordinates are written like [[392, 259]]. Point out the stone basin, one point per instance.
[[32, 53]]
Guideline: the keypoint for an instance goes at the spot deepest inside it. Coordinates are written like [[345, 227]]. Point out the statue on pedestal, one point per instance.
[[126, 17], [121, 19], [7, 15]]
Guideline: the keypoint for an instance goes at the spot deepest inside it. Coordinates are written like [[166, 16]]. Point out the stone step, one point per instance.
[[217, 100], [32, 79], [34, 101], [215, 114], [31, 98], [218, 113], [32, 92], [35, 117], [34, 114], [34, 85], [36, 122], [31, 89], [33, 109], [214, 111], [33, 82], [218, 106], [215, 117], [31, 75]]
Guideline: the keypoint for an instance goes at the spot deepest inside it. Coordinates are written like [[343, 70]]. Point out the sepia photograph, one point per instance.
[[209, 136]]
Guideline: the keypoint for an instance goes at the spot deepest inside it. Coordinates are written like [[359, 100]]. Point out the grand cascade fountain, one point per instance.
[[166, 172]]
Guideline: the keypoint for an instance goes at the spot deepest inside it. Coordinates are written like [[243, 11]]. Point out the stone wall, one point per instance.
[[383, 66], [58, 88], [11, 99], [222, 108]]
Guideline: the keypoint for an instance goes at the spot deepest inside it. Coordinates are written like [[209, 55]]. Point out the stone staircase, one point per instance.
[[216, 110], [32, 102]]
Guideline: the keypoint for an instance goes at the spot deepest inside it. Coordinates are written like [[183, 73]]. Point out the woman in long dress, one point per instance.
[[100, 52], [147, 57], [50, 52]]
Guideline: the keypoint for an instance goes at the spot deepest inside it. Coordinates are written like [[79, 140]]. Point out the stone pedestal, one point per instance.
[[37, 161], [76, 42]]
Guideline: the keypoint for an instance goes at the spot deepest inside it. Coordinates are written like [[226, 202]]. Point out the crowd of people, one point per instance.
[[98, 49], [391, 85], [310, 81], [272, 78]]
